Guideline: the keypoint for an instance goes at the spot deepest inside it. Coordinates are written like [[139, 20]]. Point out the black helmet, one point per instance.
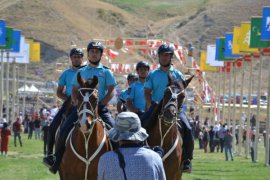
[[95, 45], [132, 75], [167, 48], [142, 64], [76, 51]]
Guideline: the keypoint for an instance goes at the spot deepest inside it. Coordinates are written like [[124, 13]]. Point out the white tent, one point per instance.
[[33, 89], [24, 88]]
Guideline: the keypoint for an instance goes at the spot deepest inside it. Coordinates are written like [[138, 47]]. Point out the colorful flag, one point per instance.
[[244, 39], [255, 35], [220, 49], [204, 66], [265, 29], [229, 45], [9, 38], [236, 35], [2, 33], [16, 41], [211, 56], [35, 52]]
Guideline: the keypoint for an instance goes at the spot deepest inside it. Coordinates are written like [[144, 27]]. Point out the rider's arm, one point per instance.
[[148, 97], [108, 96], [131, 107], [60, 93], [74, 98]]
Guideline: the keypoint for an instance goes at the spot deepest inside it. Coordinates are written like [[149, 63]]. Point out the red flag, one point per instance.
[[112, 54]]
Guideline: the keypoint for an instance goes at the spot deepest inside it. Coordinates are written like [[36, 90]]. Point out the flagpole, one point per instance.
[[249, 105], [267, 122], [258, 112], [14, 89], [223, 101], [229, 104], [219, 83], [2, 83], [241, 110], [24, 94], [234, 107], [7, 88]]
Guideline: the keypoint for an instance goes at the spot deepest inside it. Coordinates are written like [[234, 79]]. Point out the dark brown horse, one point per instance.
[[88, 140], [163, 127]]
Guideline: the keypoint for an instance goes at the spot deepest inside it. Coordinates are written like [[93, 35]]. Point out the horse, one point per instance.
[[88, 140], [163, 127]]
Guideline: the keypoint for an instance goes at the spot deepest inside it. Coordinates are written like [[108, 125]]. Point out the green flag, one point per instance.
[[255, 34], [220, 49], [9, 39]]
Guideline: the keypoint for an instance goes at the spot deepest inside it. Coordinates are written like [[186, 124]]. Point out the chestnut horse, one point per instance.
[[163, 127], [88, 140]]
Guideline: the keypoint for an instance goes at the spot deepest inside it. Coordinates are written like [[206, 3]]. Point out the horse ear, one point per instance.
[[170, 79], [186, 82], [95, 81], [80, 79]]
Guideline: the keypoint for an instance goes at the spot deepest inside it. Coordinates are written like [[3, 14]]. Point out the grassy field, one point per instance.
[[24, 163]]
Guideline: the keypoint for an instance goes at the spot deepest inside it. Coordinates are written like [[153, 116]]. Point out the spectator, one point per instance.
[[252, 149], [236, 133], [17, 131], [45, 129], [200, 139], [30, 128], [216, 138], [228, 140], [37, 128], [221, 134], [132, 160], [5, 133], [206, 139], [211, 142]]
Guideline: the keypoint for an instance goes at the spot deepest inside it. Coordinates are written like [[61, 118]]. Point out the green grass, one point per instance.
[[24, 163]]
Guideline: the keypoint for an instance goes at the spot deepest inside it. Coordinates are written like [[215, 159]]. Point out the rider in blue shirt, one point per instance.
[[124, 94], [106, 84], [63, 91], [155, 86], [136, 102]]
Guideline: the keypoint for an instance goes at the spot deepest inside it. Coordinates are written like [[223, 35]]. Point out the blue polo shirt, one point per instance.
[[65, 80], [105, 78], [137, 95], [157, 81], [124, 94]]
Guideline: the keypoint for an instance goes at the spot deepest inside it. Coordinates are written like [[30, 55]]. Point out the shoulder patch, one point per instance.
[[105, 67]]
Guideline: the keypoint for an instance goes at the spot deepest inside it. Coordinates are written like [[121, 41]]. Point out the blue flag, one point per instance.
[[16, 41], [265, 36], [228, 46], [2, 33]]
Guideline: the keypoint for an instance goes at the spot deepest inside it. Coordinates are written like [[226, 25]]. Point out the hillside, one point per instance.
[[59, 24]]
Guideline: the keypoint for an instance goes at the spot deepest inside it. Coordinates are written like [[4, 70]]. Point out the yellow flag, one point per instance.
[[204, 66], [35, 52], [235, 46], [244, 39]]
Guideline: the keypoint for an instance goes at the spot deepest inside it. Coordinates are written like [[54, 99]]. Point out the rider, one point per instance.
[[106, 84], [154, 88], [122, 99], [63, 92], [136, 101]]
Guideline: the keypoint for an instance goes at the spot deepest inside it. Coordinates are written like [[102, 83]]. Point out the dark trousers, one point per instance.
[[252, 154], [221, 140], [53, 128], [105, 115], [17, 135]]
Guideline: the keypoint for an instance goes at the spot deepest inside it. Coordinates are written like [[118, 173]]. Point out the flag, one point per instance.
[[211, 56], [236, 35], [265, 29], [35, 52], [220, 49], [255, 35], [228, 46], [244, 38], [16, 41], [204, 66], [2, 33], [9, 37], [112, 54]]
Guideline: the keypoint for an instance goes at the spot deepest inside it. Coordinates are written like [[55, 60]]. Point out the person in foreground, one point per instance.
[[132, 160]]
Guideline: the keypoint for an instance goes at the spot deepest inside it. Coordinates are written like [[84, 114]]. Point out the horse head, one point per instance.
[[173, 100], [87, 103]]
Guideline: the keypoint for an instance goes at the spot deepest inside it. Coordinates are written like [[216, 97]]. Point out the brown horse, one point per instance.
[[88, 140], [163, 128]]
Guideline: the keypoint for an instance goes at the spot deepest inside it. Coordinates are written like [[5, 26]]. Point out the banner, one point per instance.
[[244, 39], [204, 66], [255, 35], [220, 49], [229, 45], [236, 34], [35, 52], [211, 56], [9, 37], [16, 41], [265, 29], [2, 33]]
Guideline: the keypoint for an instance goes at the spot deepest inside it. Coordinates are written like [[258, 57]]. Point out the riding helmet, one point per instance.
[[95, 45], [77, 51], [142, 64], [166, 48]]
